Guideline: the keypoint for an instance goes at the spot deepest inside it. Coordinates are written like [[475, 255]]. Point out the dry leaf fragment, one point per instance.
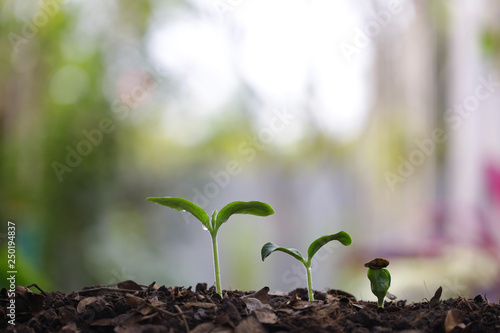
[[82, 305], [255, 304], [203, 305], [266, 317], [129, 285], [329, 309], [478, 299], [453, 319], [103, 322], [330, 298], [262, 295], [203, 328], [390, 296], [28, 301], [263, 312], [145, 309], [358, 306], [141, 328], [66, 316], [157, 304], [419, 317], [298, 304], [222, 329], [435, 299], [133, 301], [287, 311], [70, 328], [250, 325], [230, 316]]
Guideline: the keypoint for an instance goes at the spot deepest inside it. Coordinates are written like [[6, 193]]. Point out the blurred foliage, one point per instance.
[[490, 42], [52, 97]]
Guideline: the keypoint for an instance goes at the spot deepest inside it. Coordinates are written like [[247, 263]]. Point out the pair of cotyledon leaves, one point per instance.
[[342, 236], [238, 207], [254, 208]]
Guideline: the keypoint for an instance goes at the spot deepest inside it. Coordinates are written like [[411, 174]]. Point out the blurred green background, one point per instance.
[[380, 118]]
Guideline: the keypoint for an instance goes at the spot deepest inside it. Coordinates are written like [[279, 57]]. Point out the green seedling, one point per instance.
[[380, 278], [212, 225], [343, 237]]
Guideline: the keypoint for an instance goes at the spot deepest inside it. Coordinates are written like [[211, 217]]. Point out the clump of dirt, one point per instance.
[[131, 308]]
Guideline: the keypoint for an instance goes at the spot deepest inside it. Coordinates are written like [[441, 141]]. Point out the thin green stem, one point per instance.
[[309, 284], [216, 264]]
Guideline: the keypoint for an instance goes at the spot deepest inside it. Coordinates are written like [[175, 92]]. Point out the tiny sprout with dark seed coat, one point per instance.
[[380, 278]]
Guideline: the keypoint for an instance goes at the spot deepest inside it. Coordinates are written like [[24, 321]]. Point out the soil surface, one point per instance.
[[130, 308]]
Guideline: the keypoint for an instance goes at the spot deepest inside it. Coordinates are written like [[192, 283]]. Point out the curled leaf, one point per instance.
[[270, 247], [343, 237]]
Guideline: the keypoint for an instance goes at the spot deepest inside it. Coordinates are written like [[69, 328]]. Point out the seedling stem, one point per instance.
[[216, 264], [309, 283]]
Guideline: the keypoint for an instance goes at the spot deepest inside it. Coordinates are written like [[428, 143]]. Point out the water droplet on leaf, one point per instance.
[[204, 228]]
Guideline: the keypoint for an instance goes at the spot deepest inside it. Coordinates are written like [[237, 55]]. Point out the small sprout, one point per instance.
[[380, 278], [212, 225], [343, 237]]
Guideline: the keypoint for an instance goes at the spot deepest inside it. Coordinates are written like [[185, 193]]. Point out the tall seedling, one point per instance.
[[213, 224]]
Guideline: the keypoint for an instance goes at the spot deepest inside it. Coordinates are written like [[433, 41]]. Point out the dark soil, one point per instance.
[[129, 308]]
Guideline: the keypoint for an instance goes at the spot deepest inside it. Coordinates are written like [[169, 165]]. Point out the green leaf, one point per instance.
[[184, 205], [380, 281], [270, 247], [214, 218], [241, 207], [343, 237]]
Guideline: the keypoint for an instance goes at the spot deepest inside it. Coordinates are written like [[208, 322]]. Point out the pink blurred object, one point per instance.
[[493, 181]]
